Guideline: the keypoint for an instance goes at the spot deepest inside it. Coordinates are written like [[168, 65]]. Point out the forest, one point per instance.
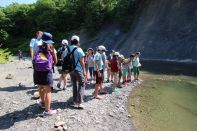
[[19, 22]]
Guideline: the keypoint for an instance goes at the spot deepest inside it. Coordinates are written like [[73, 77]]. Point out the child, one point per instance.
[[125, 66], [99, 71], [136, 65], [130, 67], [115, 71], [44, 60], [90, 61], [63, 75]]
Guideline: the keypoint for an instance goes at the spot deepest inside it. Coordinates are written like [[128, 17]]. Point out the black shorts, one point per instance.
[[99, 79], [43, 78]]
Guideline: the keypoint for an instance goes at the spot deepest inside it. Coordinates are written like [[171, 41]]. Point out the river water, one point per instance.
[[167, 99]]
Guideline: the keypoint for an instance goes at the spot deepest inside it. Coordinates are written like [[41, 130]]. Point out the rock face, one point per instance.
[[163, 29], [20, 112]]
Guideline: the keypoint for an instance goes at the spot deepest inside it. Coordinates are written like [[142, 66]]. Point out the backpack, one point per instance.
[[59, 56], [69, 63], [43, 60]]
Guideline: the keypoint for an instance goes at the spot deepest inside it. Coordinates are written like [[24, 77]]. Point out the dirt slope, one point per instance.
[[164, 29]]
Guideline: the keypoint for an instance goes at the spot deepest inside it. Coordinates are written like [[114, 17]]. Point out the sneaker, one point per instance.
[[40, 104], [107, 81], [49, 113], [112, 81], [81, 106], [115, 89], [58, 85]]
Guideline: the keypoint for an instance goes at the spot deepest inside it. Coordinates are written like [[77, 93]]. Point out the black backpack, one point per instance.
[[59, 56], [69, 63]]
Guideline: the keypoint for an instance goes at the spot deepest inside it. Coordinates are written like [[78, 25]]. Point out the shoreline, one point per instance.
[[171, 60], [18, 112]]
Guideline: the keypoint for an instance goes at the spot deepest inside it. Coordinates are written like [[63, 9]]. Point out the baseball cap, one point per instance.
[[101, 47], [47, 38], [117, 53], [75, 37], [64, 42]]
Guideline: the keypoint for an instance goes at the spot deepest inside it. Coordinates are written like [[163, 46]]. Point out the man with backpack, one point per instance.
[[74, 64]]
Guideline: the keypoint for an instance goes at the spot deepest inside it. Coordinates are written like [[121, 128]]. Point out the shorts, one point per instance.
[[124, 72], [99, 79], [136, 70], [43, 78], [59, 69]]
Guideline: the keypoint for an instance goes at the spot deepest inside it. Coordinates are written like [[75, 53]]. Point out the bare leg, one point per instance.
[[64, 75], [96, 91], [47, 90], [41, 92]]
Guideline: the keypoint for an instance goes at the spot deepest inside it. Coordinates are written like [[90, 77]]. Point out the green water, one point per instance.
[[165, 103]]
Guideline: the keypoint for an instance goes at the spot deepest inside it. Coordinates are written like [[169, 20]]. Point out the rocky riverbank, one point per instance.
[[20, 112]]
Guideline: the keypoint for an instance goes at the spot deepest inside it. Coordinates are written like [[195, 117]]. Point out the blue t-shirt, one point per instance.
[[78, 53], [98, 57]]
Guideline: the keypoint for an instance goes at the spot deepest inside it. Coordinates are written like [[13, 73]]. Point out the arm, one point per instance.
[[31, 53], [82, 62], [97, 68]]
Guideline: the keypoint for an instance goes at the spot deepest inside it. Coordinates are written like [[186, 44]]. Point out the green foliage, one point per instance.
[[4, 56], [3, 37], [60, 17]]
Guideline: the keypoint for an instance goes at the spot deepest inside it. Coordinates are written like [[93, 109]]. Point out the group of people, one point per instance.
[[83, 68]]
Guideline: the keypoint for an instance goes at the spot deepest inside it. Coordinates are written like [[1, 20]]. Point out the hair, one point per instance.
[[74, 42], [132, 55], [92, 51], [137, 53], [39, 32]]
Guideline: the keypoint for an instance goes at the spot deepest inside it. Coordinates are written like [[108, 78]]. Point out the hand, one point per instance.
[[84, 74]]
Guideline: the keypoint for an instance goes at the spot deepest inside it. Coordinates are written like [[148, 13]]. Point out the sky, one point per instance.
[[4, 3]]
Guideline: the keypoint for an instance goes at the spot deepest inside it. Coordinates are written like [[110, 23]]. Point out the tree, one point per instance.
[[3, 37]]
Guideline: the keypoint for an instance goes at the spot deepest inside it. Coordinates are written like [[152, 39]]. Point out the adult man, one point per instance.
[[34, 47], [78, 75], [34, 43], [99, 71]]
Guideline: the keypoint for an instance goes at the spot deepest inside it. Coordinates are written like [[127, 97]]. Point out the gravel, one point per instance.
[[20, 112]]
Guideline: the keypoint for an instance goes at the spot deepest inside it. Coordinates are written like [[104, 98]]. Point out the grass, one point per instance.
[[5, 56]]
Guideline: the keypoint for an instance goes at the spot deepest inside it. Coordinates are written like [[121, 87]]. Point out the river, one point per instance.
[[167, 99]]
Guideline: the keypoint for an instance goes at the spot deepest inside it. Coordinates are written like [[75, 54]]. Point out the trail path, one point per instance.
[[19, 113]]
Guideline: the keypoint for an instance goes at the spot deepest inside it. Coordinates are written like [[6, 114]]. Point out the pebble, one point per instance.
[[60, 128], [65, 128], [110, 114], [15, 102], [59, 123], [102, 114], [58, 118], [36, 94], [59, 110]]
